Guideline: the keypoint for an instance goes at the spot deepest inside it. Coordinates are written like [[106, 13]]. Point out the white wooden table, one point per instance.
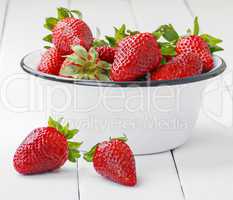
[[201, 169]]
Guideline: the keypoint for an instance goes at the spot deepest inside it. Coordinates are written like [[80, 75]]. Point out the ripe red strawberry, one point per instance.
[[83, 64], [181, 66], [196, 44], [46, 149], [135, 56], [114, 160], [106, 53], [68, 31], [51, 61], [203, 45]]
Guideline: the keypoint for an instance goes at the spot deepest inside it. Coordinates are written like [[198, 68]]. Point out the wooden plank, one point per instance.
[[156, 178], [23, 33], [106, 14], [205, 163], [151, 14], [157, 173]]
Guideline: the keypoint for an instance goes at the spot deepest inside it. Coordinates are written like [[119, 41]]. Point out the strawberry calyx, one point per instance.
[[210, 40], [86, 65], [73, 147], [88, 156], [62, 13], [112, 41], [168, 33]]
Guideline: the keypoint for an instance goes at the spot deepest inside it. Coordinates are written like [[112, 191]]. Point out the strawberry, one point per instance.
[[68, 31], [83, 64], [114, 160], [182, 66], [107, 48], [135, 56], [46, 149], [51, 61], [106, 53], [196, 44], [202, 45]]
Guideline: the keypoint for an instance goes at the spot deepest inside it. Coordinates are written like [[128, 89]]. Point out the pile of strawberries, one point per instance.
[[126, 56]]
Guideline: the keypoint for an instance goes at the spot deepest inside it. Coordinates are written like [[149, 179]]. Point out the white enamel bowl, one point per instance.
[[156, 116]]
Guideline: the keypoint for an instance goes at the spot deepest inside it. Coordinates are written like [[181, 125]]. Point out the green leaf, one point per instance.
[[93, 54], [167, 49], [215, 48], [111, 40], [78, 13], [122, 138], [213, 41], [132, 32], [168, 32], [55, 124], [47, 47], [76, 60], [80, 51], [99, 43], [74, 145], [196, 26], [120, 33], [163, 61], [48, 38], [104, 65], [69, 70], [71, 133], [88, 156], [63, 13], [157, 34], [73, 155], [50, 23]]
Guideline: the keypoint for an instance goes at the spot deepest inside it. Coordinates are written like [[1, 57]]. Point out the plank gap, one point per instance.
[[190, 10], [79, 198], [178, 175], [4, 22], [131, 9]]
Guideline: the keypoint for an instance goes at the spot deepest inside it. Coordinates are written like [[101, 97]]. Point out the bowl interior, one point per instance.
[[30, 62]]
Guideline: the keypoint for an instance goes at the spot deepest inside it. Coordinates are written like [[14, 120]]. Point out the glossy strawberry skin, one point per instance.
[[196, 44], [43, 150], [181, 66], [106, 53], [51, 61], [136, 55], [115, 161], [69, 32]]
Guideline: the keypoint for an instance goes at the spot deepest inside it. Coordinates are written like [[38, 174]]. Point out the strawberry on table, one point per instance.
[[182, 66], [83, 64], [46, 149], [135, 56], [114, 160], [51, 61], [68, 31]]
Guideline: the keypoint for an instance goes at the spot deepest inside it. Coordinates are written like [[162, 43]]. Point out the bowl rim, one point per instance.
[[154, 83]]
